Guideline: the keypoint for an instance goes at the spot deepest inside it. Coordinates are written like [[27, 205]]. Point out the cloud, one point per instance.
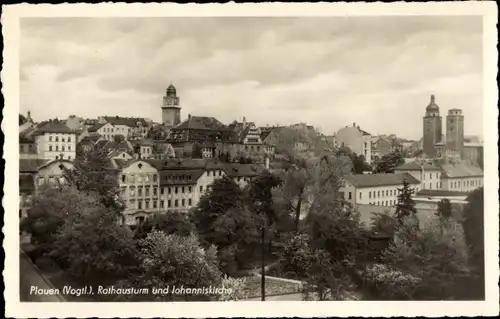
[[330, 72]]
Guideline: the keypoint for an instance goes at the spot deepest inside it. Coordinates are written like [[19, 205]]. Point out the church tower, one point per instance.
[[171, 110], [455, 131], [432, 128]]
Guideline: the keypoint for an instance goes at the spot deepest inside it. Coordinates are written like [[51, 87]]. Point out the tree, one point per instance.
[[444, 208], [172, 260], [118, 138], [51, 207], [93, 173], [473, 224], [433, 262], [388, 162], [170, 222], [91, 243], [406, 205]]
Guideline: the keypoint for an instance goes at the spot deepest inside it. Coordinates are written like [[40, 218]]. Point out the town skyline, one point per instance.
[[328, 73]]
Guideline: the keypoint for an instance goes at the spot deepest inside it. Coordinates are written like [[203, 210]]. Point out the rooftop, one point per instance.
[[201, 123], [53, 126], [415, 166], [374, 180], [440, 193], [461, 170]]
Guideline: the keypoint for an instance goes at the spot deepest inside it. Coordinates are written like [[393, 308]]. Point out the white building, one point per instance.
[[429, 175], [376, 189], [461, 177], [54, 140], [359, 141]]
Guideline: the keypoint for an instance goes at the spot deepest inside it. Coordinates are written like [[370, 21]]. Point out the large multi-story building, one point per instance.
[[432, 127], [380, 146], [429, 175], [376, 189], [149, 186], [359, 141], [455, 131], [55, 140], [461, 177]]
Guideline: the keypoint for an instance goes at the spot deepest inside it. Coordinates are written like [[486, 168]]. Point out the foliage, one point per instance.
[[237, 288], [383, 223], [92, 242], [50, 209], [406, 205], [92, 173], [473, 224], [169, 260], [170, 222], [444, 208], [388, 162], [296, 256], [436, 257], [391, 284]]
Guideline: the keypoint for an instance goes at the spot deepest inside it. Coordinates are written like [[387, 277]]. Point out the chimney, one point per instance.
[[353, 124], [244, 121], [29, 115]]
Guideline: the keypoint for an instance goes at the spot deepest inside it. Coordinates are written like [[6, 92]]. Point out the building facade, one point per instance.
[[357, 140], [376, 189], [461, 177], [429, 175], [432, 122], [54, 141]]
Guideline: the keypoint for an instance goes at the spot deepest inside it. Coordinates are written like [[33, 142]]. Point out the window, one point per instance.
[[147, 191], [69, 147], [183, 202], [50, 148], [50, 138], [176, 190], [57, 157], [201, 189], [63, 149], [57, 148], [360, 195], [378, 194], [369, 194], [155, 178], [69, 157], [62, 139], [386, 193], [190, 189], [350, 195], [182, 190], [131, 178], [139, 204], [162, 191], [155, 191], [220, 173], [169, 203], [57, 138], [139, 191], [176, 203], [162, 204], [170, 190], [147, 204], [190, 202], [69, 139]]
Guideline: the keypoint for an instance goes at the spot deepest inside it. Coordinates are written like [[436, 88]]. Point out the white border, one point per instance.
[[10, 79]]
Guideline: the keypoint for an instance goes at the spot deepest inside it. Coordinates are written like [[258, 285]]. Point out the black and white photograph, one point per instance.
[[218, 159]]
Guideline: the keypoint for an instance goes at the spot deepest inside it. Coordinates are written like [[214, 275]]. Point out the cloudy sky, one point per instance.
[[329, 72]]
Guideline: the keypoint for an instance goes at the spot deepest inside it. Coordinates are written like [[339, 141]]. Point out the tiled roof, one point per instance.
[[96, 127], [26, 182], [461, 170], [414, 166], [438, 192], [145, 142], [180, 177], [53, 127], [201, 123], [373, 180], [119, 163], [31, 165], [246, 170], [128, 121]]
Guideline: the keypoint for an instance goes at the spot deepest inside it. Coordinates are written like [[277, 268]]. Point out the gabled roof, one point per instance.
[[374, 180], [95, 128], [53, 127], [414, 166], [461, 170], [201, 123], [128, 121], [180, 177]]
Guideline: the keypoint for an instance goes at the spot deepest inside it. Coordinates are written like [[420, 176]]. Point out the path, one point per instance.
[[30, 276]]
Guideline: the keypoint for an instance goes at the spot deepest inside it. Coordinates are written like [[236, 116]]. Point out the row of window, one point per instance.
[[377, 194], [56, 148], [466, 183], [147, 204], [140, 178], [62, 157], [430, 175], [392, 202], [146, 191], [56, 139]]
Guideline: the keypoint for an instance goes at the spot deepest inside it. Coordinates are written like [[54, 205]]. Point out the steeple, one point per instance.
[[432, 107]]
